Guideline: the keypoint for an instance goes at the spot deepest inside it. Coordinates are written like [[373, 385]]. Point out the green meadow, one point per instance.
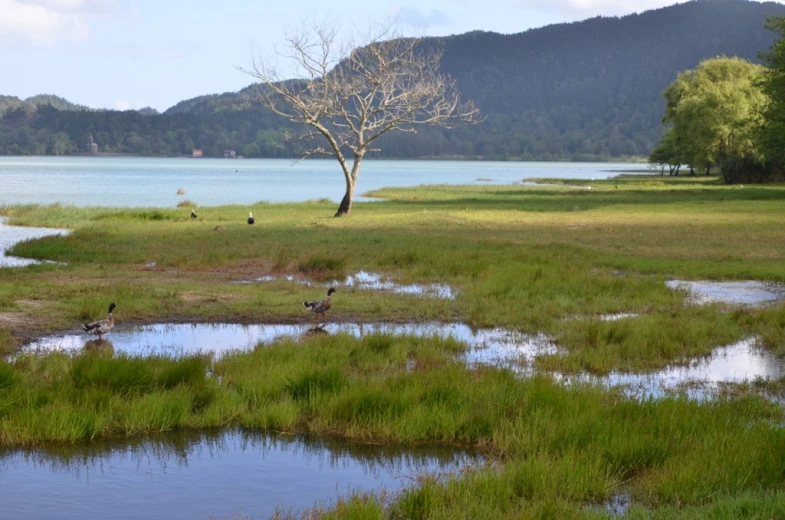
[[552, 257]]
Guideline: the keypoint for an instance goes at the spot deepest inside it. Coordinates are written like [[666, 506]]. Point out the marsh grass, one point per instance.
[[521, 257], [322, 266], [557, 447]]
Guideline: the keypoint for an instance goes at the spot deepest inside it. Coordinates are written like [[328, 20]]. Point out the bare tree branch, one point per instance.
[[349, 96]]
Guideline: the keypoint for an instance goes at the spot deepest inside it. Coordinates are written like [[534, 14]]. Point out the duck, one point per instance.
[[193, 214], [101, 327], [319, 307], [251, 220]]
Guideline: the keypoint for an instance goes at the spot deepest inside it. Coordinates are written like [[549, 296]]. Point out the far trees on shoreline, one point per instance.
[[728, 114], [587, 91]]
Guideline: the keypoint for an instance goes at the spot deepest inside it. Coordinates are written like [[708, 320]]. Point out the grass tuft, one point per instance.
[[309, 385], [320, 266]]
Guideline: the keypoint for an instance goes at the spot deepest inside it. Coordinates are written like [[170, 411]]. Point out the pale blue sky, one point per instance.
[[132, 53]]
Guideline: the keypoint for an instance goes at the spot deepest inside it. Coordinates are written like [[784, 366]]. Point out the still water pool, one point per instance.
[[205, 475], [741, 362]]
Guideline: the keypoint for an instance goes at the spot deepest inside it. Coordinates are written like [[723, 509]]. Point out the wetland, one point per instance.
[[569, 354]]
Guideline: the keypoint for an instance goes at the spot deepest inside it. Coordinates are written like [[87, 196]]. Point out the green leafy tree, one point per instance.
[[668, 153], [713, 112], [771, 135]]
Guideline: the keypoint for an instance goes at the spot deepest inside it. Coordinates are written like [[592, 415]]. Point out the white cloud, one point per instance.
[[124, 104], [596, 7], [410, 15], [46, 22]]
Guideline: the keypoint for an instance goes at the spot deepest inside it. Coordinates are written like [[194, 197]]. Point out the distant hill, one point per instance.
[[11, 102], [588, 90]]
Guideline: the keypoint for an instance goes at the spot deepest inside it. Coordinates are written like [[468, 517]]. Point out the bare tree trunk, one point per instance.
[[346, 203], [345, 207], [348, 96]]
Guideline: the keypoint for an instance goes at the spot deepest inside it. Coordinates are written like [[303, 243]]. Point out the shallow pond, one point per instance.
[[736, 363], [368, 281], [739, 293], [487, 346], [205, 475], [12, 235]]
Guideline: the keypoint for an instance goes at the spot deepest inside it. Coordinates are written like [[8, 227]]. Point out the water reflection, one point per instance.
[[196, 475], [12, 235], [740, 293], [701, 379], [516, 351], [378, 282], [486, 346], [364, 280], [104, 347]]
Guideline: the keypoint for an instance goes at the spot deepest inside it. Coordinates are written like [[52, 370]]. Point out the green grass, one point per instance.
[[532, 258], [521, 257], [555, 447]]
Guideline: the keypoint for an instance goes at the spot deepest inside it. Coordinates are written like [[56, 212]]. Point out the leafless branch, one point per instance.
[[349, 96]]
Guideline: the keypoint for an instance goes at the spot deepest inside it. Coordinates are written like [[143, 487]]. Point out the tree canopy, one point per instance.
[[771, 135], [712, 113]]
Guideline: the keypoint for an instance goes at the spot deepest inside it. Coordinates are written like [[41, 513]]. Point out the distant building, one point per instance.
[[230, 154], [196, 152], [91, 146]]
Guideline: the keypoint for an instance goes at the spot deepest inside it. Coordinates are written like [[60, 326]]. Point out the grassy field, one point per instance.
[[539, 258]]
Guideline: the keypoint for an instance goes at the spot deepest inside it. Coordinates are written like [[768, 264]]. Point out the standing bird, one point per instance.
[[193, 215], [251, 220], [320, 306], [101, 327]]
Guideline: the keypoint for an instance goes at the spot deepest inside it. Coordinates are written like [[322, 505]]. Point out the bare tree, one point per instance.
[[350, 95]]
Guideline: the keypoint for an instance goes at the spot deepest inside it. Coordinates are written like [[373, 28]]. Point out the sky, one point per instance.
[[128, 54]]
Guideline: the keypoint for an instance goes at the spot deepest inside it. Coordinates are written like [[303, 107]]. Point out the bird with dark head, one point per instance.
[[319, 307], [101, 327], [251, 220], [193, 214]]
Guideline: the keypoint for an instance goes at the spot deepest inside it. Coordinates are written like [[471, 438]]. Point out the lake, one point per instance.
[[151, 182]]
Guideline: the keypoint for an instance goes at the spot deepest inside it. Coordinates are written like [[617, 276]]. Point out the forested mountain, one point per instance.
[[586, 90], [32, 103]]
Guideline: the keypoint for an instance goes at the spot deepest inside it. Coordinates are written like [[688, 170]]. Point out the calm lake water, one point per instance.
[[204, 475], [135, 182]]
